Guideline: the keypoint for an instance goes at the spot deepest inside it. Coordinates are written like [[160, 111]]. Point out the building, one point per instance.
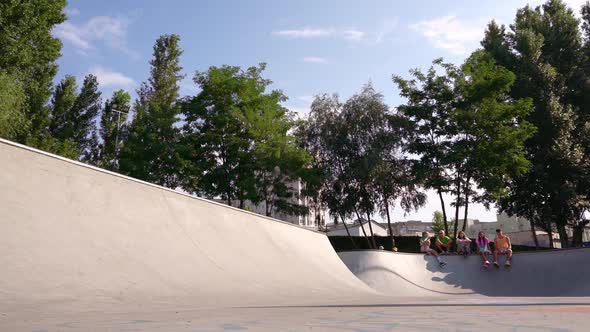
[[410, 228], [355, 229], [314, 219]]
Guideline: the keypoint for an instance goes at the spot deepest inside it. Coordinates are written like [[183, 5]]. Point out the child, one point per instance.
[[443, 242], [425, 248], [502, 246], [483, 248], [463, 244]]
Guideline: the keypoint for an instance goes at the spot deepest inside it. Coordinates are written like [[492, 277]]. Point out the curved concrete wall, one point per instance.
[[73, 233], [549, 273]]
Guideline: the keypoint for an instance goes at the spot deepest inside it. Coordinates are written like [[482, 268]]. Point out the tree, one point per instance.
[[544, 48], [13, 120], [490, 148], [321, 135], [466, 130], [437, 222], [29, 51], [73, 114], [237, 143], [429, 129], [150, 152]]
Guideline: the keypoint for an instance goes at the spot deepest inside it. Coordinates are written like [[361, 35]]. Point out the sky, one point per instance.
[[310, 47]]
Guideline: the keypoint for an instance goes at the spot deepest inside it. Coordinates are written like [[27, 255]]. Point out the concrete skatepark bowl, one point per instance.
[[85, 249]]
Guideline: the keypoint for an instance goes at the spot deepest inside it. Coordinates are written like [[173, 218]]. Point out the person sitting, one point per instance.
[[502, 246], [443, 242], [482, 245], [425, 248], [463, 244]]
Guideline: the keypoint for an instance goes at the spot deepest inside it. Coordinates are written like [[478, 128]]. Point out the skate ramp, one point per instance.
[[534, 274], [77, 236], [84, 249]]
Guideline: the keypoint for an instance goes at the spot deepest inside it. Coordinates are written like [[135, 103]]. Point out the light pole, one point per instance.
[[118, 128]]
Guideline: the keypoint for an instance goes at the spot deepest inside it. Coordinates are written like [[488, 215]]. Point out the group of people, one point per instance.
[[502, 246]]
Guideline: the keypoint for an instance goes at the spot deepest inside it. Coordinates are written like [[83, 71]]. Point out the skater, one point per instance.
[[425, 248], [483, 248], [443, 243], [502, 246], [463, 244]]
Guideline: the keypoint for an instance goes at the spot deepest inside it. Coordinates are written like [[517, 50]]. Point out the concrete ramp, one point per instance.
[[549, 273], [75, 234], [83, 249]]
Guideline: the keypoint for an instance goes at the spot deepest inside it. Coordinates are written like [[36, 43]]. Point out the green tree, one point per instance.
[[437, 222], [237, 144], [492, 130], [13, 120], [466, 130], [73, 114], [29, 51], [429, 129], [150, 151], [323, 135], [545, 49]]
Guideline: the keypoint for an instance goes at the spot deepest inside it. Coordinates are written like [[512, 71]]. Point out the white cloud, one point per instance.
[[452, 34], [72, 11], [314, 59], [305, 33], [347, 34], [387, 27], [109, 78], [354, 35], [107, 30]]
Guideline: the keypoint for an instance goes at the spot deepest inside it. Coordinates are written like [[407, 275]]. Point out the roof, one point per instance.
[[356, 223]]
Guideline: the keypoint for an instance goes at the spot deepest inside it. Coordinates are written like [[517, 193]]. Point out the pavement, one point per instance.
[[83, 249]]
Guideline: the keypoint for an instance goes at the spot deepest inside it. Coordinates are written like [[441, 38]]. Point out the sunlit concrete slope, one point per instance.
[[550, 273], [74, 234]]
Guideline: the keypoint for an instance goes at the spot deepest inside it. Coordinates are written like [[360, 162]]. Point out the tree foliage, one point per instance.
[[13, 119], [29, 51], [237, 144], [545, 49], [150, 151]]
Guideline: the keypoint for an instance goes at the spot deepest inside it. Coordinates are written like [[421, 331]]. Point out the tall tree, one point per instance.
[[544, 48], [73, 114], [237, 144], [476, 139], [429, 128], [29, 51], [150, 151]]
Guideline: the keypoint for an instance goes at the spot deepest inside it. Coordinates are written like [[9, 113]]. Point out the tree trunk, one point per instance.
[[348, 232], [534, 233], [550, 234], [389, 225], [371, 229], [228, 198], [466, 205], [444, 211], [456, 225], [363, 227], [563, 238]]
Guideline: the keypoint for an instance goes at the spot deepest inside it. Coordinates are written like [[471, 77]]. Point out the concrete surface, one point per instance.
[[533, 274], [82, 249]]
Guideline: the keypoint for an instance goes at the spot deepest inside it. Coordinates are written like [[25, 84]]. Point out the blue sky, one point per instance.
[[310, 47]]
